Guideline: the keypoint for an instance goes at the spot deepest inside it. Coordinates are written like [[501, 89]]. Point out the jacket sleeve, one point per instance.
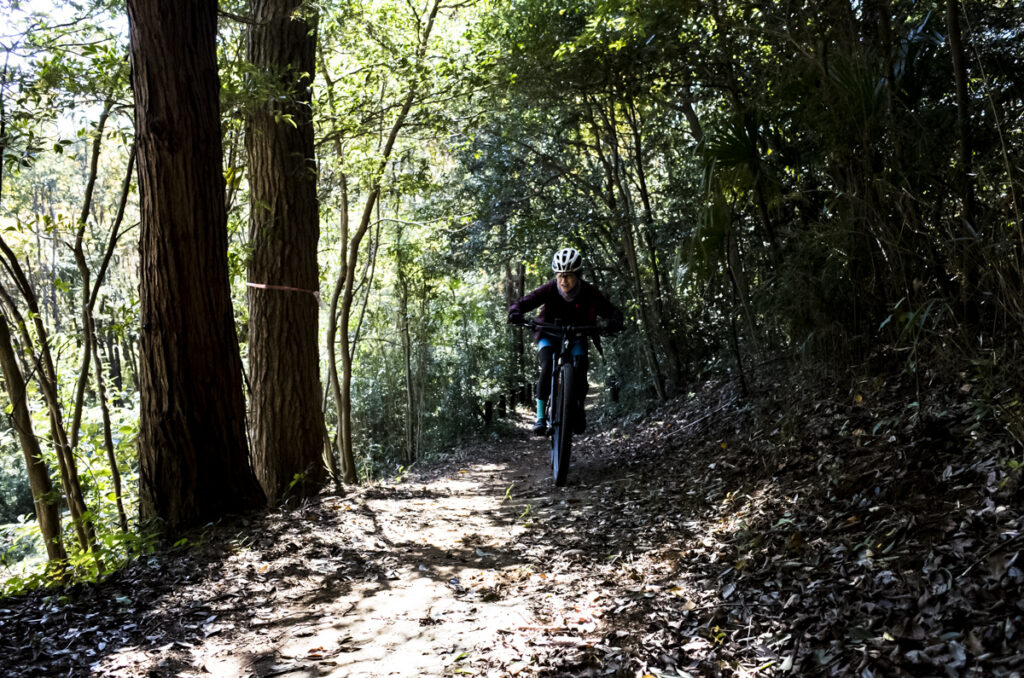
[[531, 301]]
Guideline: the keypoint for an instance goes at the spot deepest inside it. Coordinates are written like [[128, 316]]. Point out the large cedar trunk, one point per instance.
[[285, 416], [193, 461]]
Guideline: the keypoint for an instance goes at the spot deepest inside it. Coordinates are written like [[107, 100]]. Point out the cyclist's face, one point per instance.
[[567, 281]]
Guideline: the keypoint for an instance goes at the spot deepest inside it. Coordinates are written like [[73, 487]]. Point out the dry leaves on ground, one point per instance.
[[717, 535]]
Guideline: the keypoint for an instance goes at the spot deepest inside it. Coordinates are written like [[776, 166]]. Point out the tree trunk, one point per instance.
[[114, 365], [88, 331], [130, 358], [332, 333], [193, 461], [738, 278], [348, 459], [46, 376], [43, 496], [406, 337], [91, 334], [108, 439], [963, 172], [286, 421], [513, 286], [410, 387], [964, 166]]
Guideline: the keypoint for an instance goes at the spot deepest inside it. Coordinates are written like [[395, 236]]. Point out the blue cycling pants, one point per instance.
[[546, 349]]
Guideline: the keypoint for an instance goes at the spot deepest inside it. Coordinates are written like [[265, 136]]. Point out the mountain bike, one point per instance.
[[564, 404]]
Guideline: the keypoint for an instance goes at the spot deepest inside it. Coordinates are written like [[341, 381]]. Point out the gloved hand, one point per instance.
[[515, 318]]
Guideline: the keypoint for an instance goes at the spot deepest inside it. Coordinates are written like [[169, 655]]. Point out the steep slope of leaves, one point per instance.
[[837, 543]]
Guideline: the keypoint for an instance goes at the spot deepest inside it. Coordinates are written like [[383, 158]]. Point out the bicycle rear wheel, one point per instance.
[[561, 440]]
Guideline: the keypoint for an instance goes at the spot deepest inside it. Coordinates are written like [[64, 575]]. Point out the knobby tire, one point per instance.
[[561, 441]]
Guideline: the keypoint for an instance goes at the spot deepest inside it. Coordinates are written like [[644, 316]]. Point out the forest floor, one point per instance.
[[795, 533]]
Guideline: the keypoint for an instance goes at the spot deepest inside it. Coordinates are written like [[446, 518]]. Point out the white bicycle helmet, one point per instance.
[[567, 260]]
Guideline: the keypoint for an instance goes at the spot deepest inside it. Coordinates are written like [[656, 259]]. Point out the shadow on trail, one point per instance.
[[260, 581], [341, 580]]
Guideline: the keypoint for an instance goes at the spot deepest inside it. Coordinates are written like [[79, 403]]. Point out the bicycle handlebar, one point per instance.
[[556, 328]]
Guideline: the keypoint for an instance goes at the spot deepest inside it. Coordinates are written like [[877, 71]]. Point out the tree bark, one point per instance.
[[78, 250], [193, 461], [332, 333], [286, 421]]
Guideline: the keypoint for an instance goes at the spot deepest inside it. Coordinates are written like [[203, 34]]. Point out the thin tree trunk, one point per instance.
[[421, 365], [964, 167], [46, 376], [403, 320], [344, 290], [349, 344], [114, 365], [78, 250], [131, 357], [739, 281], [963, 114], [628, 249], [410, 394], [43, 497], [513, 291], [90, 347], [348, 474], [108, 440]]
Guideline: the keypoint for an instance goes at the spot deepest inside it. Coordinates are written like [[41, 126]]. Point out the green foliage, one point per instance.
[[62, 69], [19, 541], [114, 550], [15, 493]]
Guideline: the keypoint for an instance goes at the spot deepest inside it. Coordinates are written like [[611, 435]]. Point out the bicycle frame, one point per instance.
[[562, 407], [567, 337]]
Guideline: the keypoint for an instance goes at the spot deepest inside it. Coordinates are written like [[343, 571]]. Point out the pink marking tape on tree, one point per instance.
[[285, 288]]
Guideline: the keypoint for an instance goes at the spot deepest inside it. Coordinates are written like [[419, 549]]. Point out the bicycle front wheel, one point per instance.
[[561, 441]]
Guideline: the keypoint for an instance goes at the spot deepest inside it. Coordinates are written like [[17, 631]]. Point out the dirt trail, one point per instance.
[[709, 537], [437, 561], [451, 574]]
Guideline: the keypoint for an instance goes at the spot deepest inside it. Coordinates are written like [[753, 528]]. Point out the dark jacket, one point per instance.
[[588, 305]]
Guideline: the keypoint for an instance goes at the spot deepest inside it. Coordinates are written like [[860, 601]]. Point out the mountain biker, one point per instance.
[[566, 299]]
